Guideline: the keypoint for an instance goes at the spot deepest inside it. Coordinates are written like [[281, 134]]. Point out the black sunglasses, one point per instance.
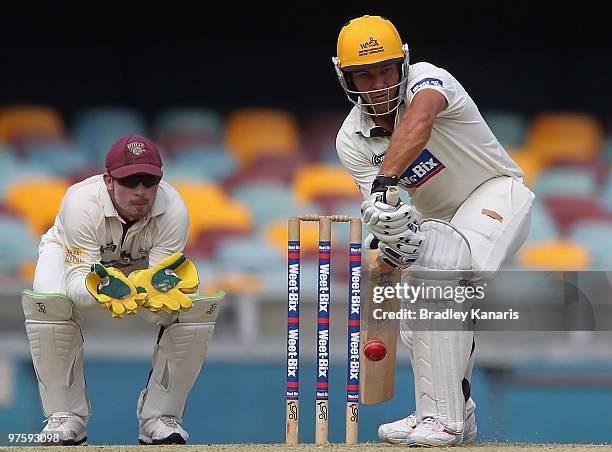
[[147, 180]]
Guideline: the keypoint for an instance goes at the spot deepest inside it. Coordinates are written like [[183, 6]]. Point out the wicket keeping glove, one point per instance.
[[167, 282], [113, 290]]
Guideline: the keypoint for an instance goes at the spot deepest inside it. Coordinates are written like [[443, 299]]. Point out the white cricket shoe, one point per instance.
[[397, 432], [432, 432], [161, 430], [64, 429]]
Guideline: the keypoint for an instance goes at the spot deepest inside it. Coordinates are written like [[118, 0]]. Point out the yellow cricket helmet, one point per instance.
[[366, 42]]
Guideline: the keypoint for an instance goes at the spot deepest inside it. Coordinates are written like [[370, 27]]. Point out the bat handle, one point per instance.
[[392, 196]]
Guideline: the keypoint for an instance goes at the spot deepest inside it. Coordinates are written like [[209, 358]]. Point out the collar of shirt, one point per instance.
[[368, 129], [158, 208]]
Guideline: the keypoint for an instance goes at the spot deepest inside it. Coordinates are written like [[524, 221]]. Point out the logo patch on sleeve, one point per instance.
[[73, 256], [429, 81], [425, 166]]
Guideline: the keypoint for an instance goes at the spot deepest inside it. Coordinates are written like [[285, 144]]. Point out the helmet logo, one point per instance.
[[371, 43], [370, 47], [136, 147]]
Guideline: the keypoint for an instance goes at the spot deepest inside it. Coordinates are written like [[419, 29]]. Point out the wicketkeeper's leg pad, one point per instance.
[[441, 348], [56, 344], [178, 358]]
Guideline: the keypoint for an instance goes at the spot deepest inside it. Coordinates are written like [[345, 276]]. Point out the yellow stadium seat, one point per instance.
[[26, 271], [528, 162], [559, 255], [319, 182], [276, 234], [259, 132], [211, 209], [30, 121], [564, 136], [37, 200]]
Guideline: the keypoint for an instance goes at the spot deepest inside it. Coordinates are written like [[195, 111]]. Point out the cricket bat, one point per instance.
[[378, 377]]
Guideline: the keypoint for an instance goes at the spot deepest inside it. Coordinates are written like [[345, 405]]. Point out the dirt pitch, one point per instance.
[[365, 447]]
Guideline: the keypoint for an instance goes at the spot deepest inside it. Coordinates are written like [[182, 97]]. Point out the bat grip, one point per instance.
[[392, 195]]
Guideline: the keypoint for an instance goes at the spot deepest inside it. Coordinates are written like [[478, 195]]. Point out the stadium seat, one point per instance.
[[253, 256], [18, 246], [595, 236], [178, 128], [509, 127], [559, 255], [605, 196], [271, 168], [277, 235], [543, 227], [96, 129], [327, 185], [564, 136], [21, 195], [255, 132], [22, 125], [269, 202], [212, 164], [57, 159], [570, 181], [528, 163], [213, 216], [318, 135], [567, 210]]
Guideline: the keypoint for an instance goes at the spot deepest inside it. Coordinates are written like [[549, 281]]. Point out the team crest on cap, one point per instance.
[[136, 147]]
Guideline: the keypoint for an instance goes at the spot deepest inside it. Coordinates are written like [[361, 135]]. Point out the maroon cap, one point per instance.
[[131, 155]]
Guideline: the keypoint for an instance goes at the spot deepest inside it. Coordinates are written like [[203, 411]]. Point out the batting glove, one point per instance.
[[402, 256]]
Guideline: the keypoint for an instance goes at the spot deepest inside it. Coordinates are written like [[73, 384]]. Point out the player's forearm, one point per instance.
[[407, 142], [76, 290]]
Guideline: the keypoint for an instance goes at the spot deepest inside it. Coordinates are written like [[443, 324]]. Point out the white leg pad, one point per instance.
[[178, 359], [56, 344], [441, 349]]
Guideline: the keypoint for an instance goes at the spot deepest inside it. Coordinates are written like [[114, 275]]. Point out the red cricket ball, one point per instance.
[[375, 349]]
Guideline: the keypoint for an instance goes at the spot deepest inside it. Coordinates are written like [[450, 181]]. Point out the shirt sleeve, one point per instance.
[[440, 80], [358, 166], [173, 231], [81, 249]]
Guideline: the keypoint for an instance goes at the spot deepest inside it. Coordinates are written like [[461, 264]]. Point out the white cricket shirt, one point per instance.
[[90, 230], [461, 153]]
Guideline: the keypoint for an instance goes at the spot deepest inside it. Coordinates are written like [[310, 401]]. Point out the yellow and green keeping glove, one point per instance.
[[167, 282], [113, 290]]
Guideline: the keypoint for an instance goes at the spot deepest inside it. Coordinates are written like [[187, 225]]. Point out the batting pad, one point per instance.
[[441, 348], [178, 359], [56, 344]]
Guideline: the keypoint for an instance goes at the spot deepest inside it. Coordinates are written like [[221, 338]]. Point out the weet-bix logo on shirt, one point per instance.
[[425, 166]]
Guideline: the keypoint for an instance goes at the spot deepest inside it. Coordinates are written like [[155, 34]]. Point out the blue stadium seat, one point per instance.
[[58, 159], [176, 127], [606, 195], [543, 227], [596, 236], [215, 164], [576, 182], [96, 129], [270, 202], [509, 127], [17, 245]]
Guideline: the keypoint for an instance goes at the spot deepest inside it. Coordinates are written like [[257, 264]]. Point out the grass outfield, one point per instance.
[[365, 447]]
